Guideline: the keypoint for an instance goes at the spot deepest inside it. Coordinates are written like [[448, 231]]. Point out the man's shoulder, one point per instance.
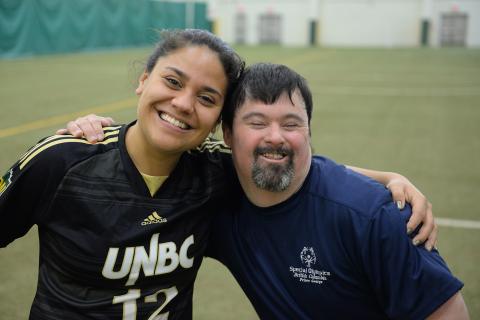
[[346, 188]]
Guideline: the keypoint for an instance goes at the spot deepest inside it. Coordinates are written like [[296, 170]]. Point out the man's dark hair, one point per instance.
[[266, 82]]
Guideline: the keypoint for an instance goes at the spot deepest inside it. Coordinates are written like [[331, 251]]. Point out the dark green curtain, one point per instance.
[[31, 27]]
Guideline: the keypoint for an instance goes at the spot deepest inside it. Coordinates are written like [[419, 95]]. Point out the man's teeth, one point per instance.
[[173, 121], [273, 155]]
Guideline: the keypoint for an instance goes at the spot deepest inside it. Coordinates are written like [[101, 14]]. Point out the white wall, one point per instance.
[[295, 15], [385, 23]]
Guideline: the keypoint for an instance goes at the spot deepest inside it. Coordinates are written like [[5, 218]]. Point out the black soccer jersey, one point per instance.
[[108, 249]]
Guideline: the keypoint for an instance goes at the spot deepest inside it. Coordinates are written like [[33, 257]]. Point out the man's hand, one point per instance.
[[89, 126], [404, 191]]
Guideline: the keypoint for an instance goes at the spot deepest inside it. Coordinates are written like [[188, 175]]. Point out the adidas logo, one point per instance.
[[153, 218]]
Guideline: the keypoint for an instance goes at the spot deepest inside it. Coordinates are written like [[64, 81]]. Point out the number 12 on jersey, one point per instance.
[[129, 301]]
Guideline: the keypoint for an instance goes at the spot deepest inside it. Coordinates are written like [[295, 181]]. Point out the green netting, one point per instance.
[[31, 27]]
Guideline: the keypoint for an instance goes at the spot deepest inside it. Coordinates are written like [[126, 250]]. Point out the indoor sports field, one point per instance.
[[414, 111]]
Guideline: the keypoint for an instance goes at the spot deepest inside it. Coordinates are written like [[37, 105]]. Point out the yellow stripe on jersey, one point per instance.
[[3, 185], [105, 129], [54, 137], [213, 145], [54, 143], [43, 142], [111, 133]]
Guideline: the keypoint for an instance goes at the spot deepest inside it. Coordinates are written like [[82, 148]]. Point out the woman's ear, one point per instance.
[[215, 128], [141, 83]]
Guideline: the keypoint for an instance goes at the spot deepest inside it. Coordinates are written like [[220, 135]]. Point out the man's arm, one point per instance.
[[453, 309], [409, 282]]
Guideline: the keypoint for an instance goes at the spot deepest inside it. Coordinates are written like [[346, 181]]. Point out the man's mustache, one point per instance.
[[279, 150]]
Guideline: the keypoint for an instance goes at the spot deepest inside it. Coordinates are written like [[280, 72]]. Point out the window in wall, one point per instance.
[[270, 28], [241, 28], [453, 29]]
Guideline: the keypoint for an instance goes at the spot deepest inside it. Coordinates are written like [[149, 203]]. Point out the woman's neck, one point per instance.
[[145, 157]]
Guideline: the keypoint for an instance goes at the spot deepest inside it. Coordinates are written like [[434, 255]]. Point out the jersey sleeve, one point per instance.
[[410, 282], [217, 151], [26, 190]]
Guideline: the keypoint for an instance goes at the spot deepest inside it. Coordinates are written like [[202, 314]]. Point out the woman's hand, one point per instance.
[[403, 191]]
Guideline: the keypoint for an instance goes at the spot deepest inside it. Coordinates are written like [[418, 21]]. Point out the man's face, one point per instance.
[[271, 143]]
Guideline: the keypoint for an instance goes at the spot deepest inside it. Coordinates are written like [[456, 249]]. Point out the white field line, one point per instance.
[[470, 91], [457, 223]]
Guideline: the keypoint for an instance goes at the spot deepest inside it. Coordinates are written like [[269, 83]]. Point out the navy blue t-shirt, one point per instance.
[[337, 249]]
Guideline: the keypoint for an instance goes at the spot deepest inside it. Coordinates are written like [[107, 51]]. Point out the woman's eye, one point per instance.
[[173, 82], [207, 100]]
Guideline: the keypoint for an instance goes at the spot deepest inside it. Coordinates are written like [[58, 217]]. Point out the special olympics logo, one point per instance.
[[308, 256]]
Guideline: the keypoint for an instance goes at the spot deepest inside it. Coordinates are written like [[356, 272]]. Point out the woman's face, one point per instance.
[[181, 98]]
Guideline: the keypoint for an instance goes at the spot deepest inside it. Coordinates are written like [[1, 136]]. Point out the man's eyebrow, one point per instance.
[[261, 115], [294, 116], [183, 75], [253, 114]]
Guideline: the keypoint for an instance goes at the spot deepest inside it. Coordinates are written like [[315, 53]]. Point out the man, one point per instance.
[[308, 238]]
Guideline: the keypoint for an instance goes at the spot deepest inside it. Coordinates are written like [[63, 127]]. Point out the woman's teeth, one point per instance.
[[173, 121]]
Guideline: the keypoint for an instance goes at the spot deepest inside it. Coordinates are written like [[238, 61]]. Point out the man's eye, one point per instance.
[[291, 126]]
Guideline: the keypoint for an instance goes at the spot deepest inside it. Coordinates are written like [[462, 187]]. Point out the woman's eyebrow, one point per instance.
[[178, 72], [185, 76]]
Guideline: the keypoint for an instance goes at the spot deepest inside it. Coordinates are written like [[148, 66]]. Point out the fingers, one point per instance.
[[107, 121], [74, 129], [97, 128], [404, 191], [89, 128], [432, 239], [429, 230], [398, 195], [61, 131], [419, 214]]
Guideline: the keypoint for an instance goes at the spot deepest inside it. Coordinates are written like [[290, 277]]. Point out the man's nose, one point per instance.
[[275, 135]]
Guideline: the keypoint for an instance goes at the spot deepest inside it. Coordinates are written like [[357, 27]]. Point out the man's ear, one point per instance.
[[227, 135], [141, 83]]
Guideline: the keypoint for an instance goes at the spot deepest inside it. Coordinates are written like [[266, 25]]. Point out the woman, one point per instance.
[[110, 245], [113, 244]]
